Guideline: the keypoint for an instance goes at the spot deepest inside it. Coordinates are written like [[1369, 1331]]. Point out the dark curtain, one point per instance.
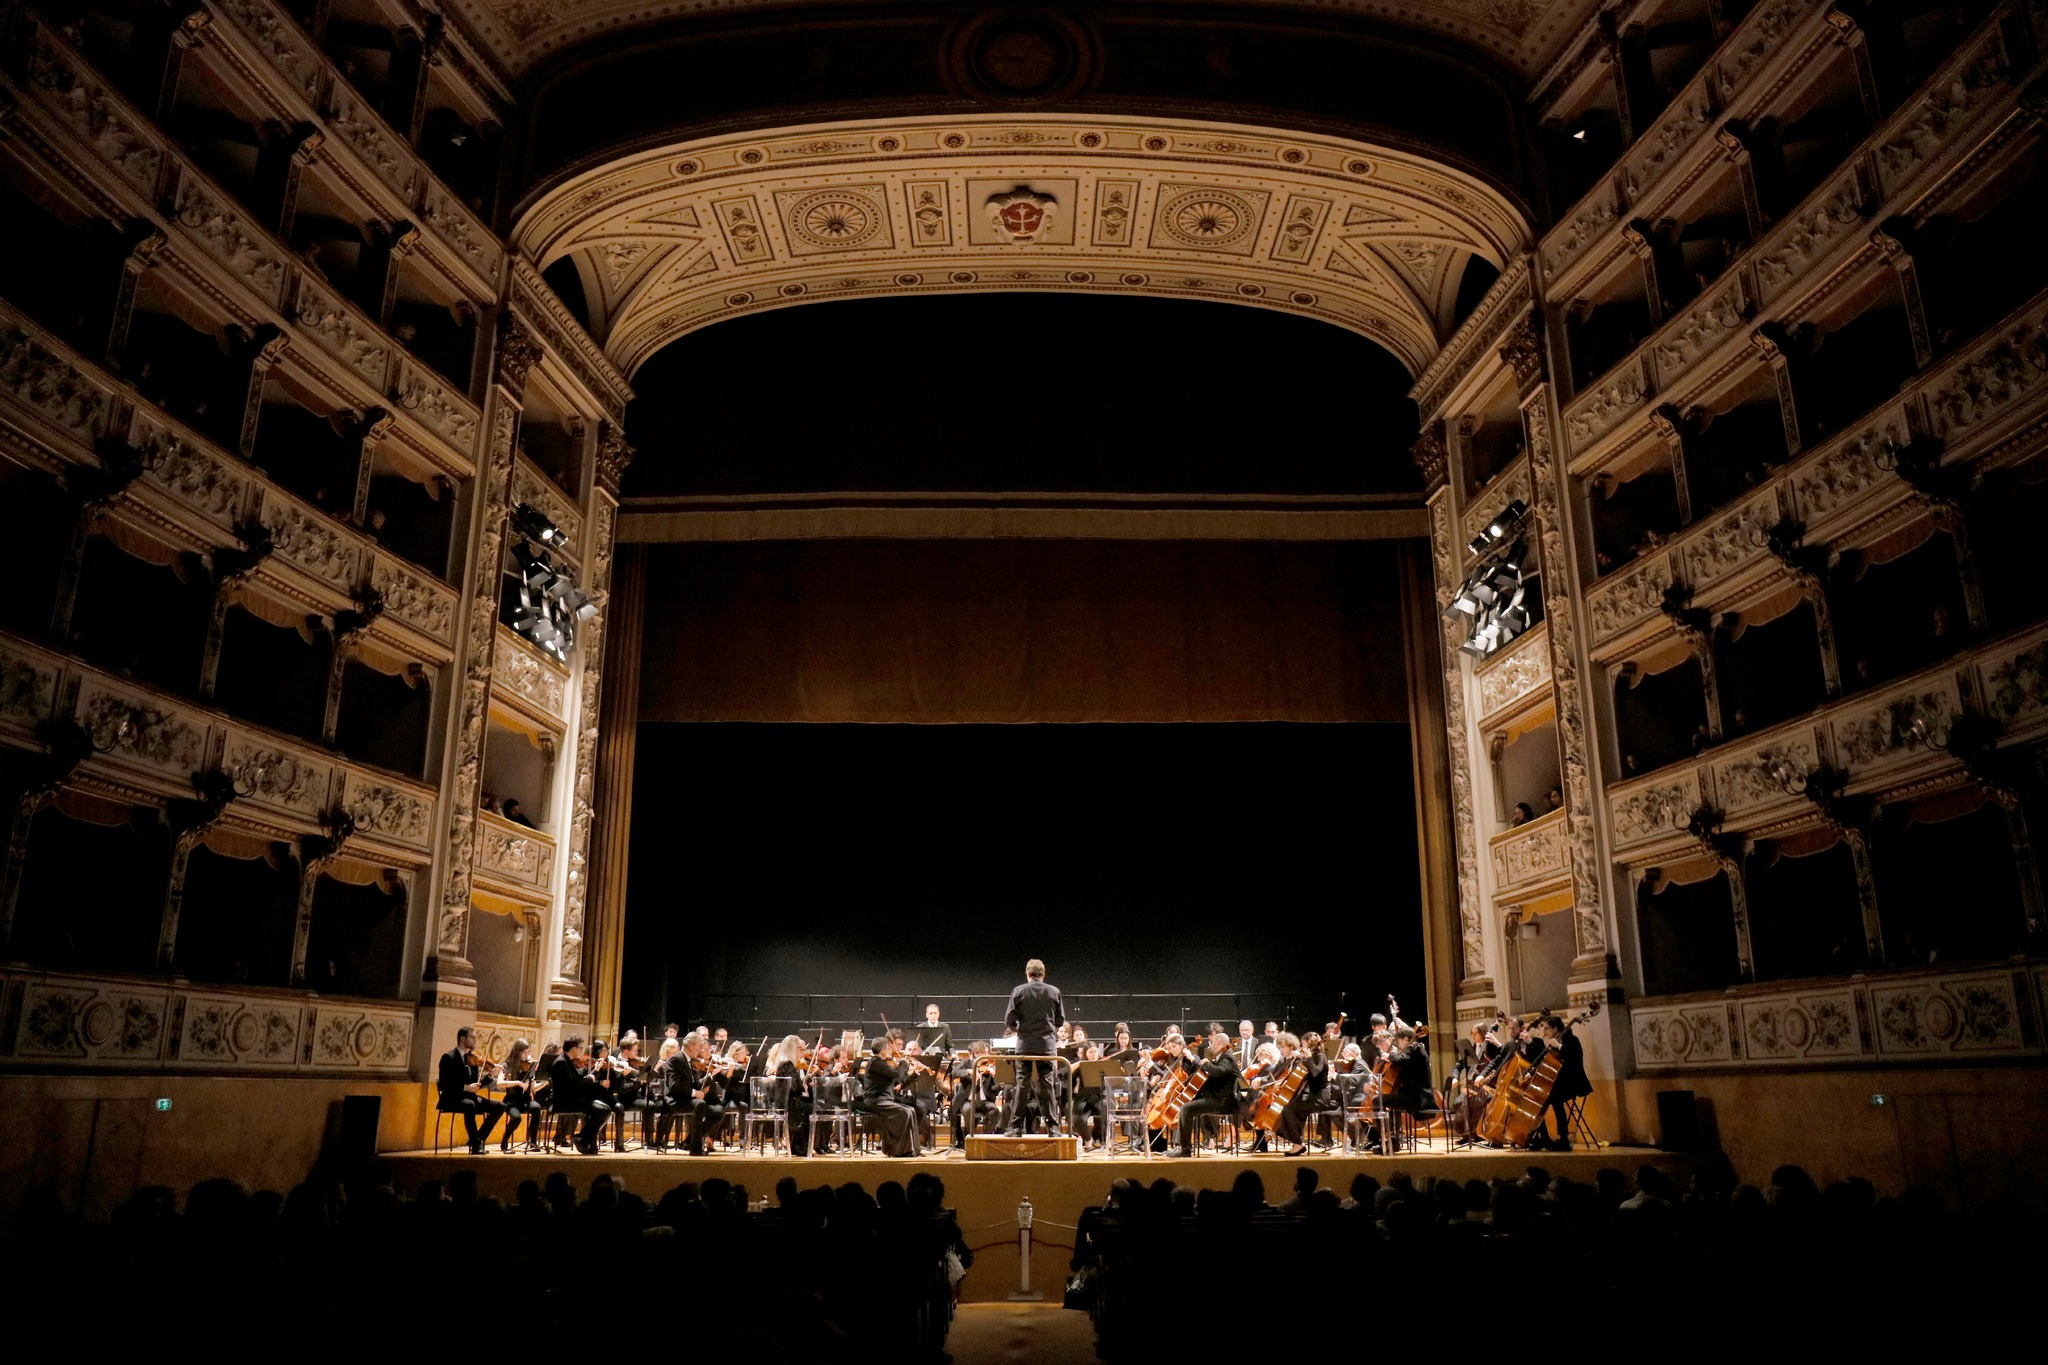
[[999, 631]]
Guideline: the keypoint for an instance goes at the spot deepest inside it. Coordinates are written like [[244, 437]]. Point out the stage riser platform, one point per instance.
[[986, 1193]]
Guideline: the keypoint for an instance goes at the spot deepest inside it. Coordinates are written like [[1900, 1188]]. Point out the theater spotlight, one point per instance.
[[1494, 599], [548, 604]]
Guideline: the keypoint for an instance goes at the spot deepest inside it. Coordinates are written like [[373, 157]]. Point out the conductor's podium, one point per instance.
[[993, 1147]]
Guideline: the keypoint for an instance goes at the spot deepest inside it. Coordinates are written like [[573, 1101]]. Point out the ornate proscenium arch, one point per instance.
[[672, 240]]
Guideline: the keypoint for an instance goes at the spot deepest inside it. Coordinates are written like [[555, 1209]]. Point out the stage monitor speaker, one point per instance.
[[1678, 1121], [352, 1134]]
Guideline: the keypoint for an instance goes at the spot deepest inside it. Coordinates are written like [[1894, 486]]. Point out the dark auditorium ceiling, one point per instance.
[[1524, 35]]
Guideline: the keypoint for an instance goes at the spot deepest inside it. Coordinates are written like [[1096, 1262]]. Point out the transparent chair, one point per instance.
[[1123, 1099], [831, 1110], [767, 1113]]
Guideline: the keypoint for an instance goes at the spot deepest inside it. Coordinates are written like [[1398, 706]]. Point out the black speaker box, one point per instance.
[[1678, 1121], [352, 1131]]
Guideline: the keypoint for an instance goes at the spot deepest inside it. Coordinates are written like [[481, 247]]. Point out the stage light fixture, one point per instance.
[[1494, 598], [549, 604]]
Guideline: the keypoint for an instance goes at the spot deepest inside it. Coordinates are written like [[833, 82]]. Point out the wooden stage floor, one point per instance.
[[986, 1194]]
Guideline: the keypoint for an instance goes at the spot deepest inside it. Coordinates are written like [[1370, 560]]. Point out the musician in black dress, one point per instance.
[[787, 1063], [1090, 1109], [1309, 1099], [1218, 1094], [920, 1088], [1571, 1084], [1034, 1015], [894, 1121], [521, 1080]]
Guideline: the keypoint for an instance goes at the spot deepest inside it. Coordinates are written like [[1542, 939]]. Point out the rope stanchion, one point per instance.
[[1024, 1292]]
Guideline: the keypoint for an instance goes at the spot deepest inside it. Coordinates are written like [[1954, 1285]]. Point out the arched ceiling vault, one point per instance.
[[672, 240], [1524, 34]]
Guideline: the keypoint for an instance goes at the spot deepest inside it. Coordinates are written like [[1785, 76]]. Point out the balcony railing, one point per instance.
[[139, 1024], [1531, 856], [1908, 1016], [514, 856]]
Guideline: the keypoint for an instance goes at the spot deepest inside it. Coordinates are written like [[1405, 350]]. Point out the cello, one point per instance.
[[1162, 1114], [1271, 1099]]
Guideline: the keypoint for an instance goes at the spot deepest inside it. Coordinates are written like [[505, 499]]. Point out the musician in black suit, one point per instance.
[[461, 1091], [1572, 1083], [571, 1091], [935, 1036], [1218, 1094], [1410, 1090], [1035, 1015]]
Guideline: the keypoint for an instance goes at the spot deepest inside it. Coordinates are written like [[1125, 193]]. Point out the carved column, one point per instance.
[[575, 974], [604, 933], [1549, 482], [1432, 455], [518, 352], [145, 246], [280, 163]]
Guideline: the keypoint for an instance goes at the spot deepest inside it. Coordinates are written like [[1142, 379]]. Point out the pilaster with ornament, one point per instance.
[[517, 354], [1432, 456], [579, 956], [1576, 742]]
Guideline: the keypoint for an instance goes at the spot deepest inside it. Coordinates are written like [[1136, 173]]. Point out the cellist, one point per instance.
[[1572, 1083], [1309, 1100], [1268, 1061], [1218, 1094]]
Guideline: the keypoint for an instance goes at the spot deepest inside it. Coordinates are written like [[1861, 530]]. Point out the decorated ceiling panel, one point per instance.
[[1526, 34], [670, 241]]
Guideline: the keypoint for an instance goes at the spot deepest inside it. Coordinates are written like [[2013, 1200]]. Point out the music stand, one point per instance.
[[1006, 1074]]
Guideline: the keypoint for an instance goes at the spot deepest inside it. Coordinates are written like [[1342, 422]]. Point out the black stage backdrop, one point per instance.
[[841, 872]]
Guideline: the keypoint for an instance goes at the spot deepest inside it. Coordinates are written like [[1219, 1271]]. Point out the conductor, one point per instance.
[[1035, 1016]]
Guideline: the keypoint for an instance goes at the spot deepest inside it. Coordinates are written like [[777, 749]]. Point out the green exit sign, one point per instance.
[[163, 1106]]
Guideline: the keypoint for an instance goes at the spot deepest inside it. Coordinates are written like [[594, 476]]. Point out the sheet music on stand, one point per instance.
[[1090, 1075]]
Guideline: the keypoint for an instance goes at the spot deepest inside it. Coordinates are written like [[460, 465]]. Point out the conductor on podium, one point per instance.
[[1035, 1016]]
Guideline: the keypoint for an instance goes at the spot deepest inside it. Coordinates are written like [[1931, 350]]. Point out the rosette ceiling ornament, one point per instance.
[[668, 241]]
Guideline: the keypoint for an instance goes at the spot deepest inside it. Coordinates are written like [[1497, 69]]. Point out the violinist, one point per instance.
[[788, 1064], [1124, 1043], [521, 1080], [707, 1094], [977, 1099], [668, 1092], [463, 1090], [920, 1088], [609, 1077], [1218, 1094], [1571, 1084], [895, 1122], [574, 1092], [1090, 1114]]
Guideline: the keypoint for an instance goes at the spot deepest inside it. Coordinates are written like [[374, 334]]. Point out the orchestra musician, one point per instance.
[[574, 1092], [920, 1087], [1218, 1094], [669, 1091], [935, 1037], [609, 1077], [895, 1121], [977, 1098], [788, 1062], [1090, 1113], [522, 1078], [1263, 1072], [721, 1043], [462, 1090], [1309, 1100], [1034, 1015], [1247, 1045], [1408, 1059], [1571, 1084], [707, 1094]]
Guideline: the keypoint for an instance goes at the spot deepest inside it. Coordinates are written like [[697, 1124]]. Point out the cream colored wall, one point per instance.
[[96, 1138], [1973, 1134]]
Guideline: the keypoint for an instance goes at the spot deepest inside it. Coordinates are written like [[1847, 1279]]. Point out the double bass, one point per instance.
[[1523, 1091]]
